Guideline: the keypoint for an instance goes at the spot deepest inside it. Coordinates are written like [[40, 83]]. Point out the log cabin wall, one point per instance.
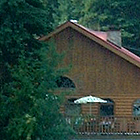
[[99, 72]]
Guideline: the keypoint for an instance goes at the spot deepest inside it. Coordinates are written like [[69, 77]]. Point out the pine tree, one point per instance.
[[29, 70], [68, 10]]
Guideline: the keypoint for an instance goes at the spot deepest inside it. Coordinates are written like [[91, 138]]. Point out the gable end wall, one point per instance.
[[98, 71]]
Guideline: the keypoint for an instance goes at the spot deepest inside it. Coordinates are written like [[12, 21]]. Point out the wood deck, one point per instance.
[[90, 125]]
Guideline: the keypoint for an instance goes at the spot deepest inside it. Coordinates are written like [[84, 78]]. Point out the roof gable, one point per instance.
[[100, 38]]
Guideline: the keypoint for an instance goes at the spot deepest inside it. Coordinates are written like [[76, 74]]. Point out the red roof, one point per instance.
[[100, 34], [99, 37], [103, 36]]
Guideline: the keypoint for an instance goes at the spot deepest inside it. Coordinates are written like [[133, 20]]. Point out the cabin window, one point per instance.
[[107, 109], [136, 108], [64, 82], [71, 108]]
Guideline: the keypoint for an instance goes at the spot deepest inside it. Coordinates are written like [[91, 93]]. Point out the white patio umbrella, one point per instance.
[[89, 99]]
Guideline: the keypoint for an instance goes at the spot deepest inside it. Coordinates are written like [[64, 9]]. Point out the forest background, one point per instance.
[[29, 68]]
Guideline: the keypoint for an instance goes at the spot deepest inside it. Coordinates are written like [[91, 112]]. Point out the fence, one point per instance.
[[104, 125]]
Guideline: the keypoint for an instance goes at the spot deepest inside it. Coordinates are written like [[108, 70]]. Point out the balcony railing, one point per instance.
[[104, 125]]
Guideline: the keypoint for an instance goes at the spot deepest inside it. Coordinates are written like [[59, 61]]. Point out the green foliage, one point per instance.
[[29, 70], [67, 10], [20, 22], [32, 110]]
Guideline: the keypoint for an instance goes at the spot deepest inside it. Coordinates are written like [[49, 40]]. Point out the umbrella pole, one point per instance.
[[90, 109]]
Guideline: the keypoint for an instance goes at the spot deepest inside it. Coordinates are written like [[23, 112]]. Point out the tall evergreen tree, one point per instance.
[[68, 10], [29, 69]]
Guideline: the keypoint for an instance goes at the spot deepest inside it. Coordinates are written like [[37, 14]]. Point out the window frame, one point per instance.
[[110, 102]]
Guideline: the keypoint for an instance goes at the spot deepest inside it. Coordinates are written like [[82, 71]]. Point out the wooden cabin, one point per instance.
[[101, 67]]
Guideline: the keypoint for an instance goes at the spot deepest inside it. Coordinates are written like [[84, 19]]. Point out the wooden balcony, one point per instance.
[[88, 125]]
